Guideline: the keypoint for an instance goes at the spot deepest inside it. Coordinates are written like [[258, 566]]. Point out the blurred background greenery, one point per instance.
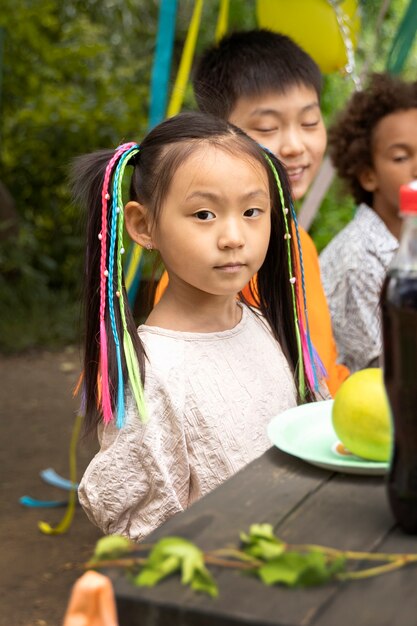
[[74, 77]]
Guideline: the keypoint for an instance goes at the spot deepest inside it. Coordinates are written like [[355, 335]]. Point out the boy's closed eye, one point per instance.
[[270, 129], [310, 124]]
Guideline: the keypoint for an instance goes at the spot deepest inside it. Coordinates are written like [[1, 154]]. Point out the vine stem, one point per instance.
[[353, 555], [214, 560], [235, 554], [373, 571], [129, 562]]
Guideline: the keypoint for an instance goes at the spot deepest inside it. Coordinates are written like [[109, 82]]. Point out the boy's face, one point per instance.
[[394, 155], [291, 126]]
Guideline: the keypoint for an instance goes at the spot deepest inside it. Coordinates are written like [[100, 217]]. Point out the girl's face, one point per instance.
[[214, 226]]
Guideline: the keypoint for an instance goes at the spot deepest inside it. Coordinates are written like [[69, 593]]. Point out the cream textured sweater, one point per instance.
[[210, 397]]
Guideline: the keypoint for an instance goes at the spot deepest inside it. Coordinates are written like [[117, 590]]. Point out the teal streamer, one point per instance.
[[162, 61], [403, 40]]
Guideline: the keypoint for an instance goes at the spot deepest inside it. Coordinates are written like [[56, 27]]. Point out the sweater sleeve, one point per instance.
[[140, 477]]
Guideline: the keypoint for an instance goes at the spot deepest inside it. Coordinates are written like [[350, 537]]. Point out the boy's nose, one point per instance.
[[291, 143]]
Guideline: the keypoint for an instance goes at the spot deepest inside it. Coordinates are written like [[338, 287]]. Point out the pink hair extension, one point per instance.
[[104, 369]]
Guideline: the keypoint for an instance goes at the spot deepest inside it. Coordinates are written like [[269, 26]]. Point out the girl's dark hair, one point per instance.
[[351, 135], [251, 63], [162, 151]]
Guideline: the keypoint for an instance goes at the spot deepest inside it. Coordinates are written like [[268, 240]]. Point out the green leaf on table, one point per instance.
[[261, 542], [296, 569], [151, 575], [261, 531], [112, 547], [174, 554], [203, 581]]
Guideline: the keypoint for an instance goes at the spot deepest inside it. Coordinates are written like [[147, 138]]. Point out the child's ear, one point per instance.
[[138, 224], [368, 179]]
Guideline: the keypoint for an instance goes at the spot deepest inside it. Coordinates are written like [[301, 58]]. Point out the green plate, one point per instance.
[[306, 432]]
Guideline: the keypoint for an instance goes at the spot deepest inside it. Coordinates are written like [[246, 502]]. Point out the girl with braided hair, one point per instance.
[[183, 402]]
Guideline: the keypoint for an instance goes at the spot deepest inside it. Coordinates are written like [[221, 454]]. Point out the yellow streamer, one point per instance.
[[222, 20], [181, 81], [133, 265], [65, 523]]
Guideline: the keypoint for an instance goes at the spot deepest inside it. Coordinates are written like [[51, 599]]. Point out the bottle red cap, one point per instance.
[[408, 198]]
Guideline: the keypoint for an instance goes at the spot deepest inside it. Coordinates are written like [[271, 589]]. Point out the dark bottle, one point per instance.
[[399, 323]]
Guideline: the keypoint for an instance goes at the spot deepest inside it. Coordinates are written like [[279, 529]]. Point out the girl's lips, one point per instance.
[[230, 267]]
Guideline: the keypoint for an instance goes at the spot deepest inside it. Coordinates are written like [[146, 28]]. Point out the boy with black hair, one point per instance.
[[373, 146], [264, 83]]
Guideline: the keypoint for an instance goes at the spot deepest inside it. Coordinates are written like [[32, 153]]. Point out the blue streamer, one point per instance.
[[51, 477], [34, 503], [162, 61]]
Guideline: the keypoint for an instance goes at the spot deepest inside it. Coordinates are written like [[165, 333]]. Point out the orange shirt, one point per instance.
[[317, 308]]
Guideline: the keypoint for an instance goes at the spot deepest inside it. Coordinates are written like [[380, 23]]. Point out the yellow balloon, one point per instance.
[[314, 25]]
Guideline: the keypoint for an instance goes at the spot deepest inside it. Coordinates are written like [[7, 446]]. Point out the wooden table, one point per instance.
[[306, 505]]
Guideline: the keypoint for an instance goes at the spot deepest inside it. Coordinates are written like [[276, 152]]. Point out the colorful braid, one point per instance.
[[122, 154], [132, 364], [110, 290], [314, 359], [287, 236], [104, 367], [309, 360]]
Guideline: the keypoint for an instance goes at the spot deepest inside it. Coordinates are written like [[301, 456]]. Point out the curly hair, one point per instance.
[[351, 135]]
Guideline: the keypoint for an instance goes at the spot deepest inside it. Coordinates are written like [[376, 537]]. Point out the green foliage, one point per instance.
[[112, 547], [263, 555], [336, 211], [279, 565], [174, 554], [300, 570], [75, 79], [261, 542]]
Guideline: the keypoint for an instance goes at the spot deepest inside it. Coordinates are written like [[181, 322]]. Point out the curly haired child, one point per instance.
[[373, 145]]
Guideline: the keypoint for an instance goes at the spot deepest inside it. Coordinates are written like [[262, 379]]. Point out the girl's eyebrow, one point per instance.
[[209, 195]]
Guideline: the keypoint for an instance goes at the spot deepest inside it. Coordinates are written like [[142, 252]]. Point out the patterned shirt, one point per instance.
[[353, 268]]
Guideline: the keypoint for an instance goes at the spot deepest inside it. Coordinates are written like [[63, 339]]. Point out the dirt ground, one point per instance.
[[37, 414]]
